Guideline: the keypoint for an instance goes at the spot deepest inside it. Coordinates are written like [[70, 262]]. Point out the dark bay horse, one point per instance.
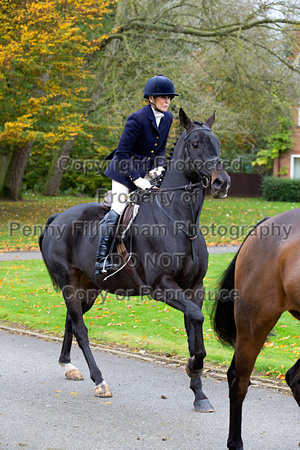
[[263, 280], [171, 214]]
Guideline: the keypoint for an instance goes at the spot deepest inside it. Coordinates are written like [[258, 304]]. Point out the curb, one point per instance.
[[214, 372]]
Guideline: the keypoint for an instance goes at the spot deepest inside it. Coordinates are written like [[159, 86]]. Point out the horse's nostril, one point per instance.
[[217, 183]]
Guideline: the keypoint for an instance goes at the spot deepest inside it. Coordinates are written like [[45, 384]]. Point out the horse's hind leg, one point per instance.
[[71, 372], [75, 310], [201, 402], [293, 380], [238, 377], [249, 342]]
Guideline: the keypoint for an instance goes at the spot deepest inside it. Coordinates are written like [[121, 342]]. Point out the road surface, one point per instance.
[[151, 406], [35, 254]]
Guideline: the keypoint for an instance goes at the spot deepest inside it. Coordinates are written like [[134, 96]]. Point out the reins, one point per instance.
[[204, 182], [190, 236], [187, 187]]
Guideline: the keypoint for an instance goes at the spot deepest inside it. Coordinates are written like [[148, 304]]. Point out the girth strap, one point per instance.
[[128, 265]]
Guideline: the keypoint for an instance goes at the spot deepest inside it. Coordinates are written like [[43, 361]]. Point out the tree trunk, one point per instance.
[[5, 157], [11, 187], [55, 172]]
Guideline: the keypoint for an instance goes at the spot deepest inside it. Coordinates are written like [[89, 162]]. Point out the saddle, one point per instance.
[[107, 201], [126, 218], [125, 221]]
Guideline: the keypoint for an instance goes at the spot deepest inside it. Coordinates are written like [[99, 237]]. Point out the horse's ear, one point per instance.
[[211, 119], [184, 120]]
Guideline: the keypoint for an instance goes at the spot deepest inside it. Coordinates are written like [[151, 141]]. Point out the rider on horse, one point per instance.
[[139, 156]]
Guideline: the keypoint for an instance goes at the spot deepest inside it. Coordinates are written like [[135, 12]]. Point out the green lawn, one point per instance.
[[21, 222], [224, 221], [27, 298]]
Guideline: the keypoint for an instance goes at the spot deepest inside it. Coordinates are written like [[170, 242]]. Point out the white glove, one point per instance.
[[156, 172], [142, 183]]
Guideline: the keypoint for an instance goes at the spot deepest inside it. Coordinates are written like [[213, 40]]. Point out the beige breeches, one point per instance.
[[120, 194]]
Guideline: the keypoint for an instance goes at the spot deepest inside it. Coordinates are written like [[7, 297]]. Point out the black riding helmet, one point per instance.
[[159, 85]]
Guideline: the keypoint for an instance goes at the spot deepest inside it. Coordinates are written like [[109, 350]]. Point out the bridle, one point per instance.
[[187, 149], [204, 182]]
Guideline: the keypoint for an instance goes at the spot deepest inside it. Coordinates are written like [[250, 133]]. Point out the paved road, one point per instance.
[[11, 256], [40, 409]]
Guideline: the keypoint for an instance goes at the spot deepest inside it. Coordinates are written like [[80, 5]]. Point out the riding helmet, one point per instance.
[[159, 85]]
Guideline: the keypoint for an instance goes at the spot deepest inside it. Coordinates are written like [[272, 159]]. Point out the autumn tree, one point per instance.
[[233, 56], [44, 46], [236, 57]]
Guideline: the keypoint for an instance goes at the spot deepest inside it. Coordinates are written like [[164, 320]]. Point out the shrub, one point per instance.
[[281, 189]]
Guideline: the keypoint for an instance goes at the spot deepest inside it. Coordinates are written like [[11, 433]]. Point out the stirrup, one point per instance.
[[98, 268], [105, 266]]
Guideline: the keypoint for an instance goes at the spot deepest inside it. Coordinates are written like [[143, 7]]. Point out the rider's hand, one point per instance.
[[156, 172], [142, 183]]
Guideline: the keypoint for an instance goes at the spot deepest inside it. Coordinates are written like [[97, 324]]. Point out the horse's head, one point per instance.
[[202, 155]]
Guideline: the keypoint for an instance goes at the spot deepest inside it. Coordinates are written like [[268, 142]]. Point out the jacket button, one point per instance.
[[155, 144], [152, 151], [157, 137]]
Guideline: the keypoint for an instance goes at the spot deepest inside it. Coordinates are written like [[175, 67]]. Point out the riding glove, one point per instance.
[[156, 172], [142, 183]]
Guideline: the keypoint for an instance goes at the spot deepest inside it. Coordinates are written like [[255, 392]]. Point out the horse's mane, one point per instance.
[[169, 155]]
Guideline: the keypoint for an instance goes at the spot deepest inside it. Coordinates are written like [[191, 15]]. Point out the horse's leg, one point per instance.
[[238, 377], [293, 380], [80, 331], [231, 374], [201, 402], [71, 371], [165, 289], [250, 339]]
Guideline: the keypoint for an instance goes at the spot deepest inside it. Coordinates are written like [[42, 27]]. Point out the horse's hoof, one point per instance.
[[74, 375], [192, 373], [203, 406], [235, 447], [102, 390]]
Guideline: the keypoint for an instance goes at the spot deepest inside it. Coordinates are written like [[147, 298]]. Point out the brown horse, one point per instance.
[[263, 280]]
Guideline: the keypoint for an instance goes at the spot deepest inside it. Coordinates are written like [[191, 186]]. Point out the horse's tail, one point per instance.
[[223, 310], [49, 221]]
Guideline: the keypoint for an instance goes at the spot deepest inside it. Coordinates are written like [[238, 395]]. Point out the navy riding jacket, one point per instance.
[[142, 147]]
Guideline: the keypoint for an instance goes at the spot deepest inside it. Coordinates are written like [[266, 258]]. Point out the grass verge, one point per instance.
[[223, 221], [27, 298]]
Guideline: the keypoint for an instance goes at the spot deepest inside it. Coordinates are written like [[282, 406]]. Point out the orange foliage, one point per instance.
[[44, 45]]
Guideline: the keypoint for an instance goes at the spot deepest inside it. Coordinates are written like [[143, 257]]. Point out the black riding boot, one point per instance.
[[108, 229]]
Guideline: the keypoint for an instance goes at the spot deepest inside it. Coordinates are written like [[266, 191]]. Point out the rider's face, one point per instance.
[[162, 102]]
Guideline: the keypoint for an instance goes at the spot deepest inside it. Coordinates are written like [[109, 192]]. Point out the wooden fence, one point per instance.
[[245, 185]]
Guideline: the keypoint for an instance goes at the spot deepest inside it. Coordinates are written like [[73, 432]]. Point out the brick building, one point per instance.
[[291, 159]]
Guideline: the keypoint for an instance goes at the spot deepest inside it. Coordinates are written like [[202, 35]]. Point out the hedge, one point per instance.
[[281, 189]]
